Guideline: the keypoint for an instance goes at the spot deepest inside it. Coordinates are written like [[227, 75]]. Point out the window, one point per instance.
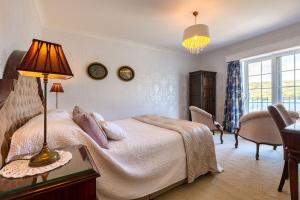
[[289, 86], [259, 84], [272, 79]]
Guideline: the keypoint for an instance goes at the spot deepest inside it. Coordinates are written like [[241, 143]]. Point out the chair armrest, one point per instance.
[[218, 125], [201, 112]]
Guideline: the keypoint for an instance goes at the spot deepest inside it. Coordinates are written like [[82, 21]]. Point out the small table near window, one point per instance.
[[292, 133], [75, 180]]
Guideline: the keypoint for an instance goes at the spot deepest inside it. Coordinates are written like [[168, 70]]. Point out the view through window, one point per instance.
[[260, 84], [290, 81], [272, 79]]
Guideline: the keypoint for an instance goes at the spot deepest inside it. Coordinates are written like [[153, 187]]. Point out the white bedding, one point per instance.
[[198, 142], [148, 159]]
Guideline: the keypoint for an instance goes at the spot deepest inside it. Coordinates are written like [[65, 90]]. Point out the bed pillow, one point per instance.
[[62, 132], [89, 125], [113, 131], [97, 116]]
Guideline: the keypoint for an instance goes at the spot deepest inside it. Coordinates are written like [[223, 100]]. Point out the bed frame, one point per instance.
[[20, 100]]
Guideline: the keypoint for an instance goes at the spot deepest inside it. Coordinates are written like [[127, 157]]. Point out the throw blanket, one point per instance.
[[198, 143]]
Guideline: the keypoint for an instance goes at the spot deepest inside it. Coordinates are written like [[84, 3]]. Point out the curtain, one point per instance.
[[234, 102]]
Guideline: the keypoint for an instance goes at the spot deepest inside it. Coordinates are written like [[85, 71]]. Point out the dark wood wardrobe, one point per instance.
[[202, 90]]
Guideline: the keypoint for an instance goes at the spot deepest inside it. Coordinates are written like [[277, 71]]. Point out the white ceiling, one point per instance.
[[161, 23]]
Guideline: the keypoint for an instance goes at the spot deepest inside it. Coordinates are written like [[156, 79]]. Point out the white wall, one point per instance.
[[19, 24], [216, 60], [159, 86]]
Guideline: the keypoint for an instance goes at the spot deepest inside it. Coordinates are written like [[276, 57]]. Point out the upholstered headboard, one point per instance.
[[20, 100]]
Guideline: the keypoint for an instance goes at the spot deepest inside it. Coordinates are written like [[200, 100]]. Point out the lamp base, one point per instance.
[[45, 157]]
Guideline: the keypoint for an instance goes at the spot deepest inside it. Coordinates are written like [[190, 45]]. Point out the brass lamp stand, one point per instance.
[[45, 60], [57, 88], [46, 156]]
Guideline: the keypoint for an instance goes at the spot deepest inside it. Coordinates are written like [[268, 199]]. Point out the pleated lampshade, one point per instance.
[[45, 58], [57, 87]]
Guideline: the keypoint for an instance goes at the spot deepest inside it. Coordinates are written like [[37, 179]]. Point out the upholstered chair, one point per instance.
[[282, 119], [203, 117], [260, 128]]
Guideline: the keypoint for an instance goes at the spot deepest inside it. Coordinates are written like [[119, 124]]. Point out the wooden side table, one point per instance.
[[292, 134], [75, 180]]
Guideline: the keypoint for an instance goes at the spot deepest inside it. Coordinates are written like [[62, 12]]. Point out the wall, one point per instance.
[[159, 86], [19, 24], [216, 60]]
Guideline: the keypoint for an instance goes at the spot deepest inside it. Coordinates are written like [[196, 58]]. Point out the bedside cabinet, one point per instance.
[[75, 180]]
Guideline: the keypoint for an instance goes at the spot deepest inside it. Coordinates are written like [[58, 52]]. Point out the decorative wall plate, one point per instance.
[[97, 71], [126, 73]]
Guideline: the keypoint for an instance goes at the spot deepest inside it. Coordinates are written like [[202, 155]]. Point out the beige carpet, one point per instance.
[[244, 178]]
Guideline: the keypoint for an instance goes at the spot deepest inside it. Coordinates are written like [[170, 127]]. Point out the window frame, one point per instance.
[[275, 74]]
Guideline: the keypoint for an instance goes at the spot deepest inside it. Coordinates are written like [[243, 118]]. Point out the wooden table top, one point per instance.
[[293, 128]]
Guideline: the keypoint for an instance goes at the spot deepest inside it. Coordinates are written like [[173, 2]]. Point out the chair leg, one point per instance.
[[274, 147], [236, 139], [257, 151], [221, 136], [284, 176]]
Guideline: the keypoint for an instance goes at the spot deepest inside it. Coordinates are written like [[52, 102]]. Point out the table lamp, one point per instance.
[[45, 60], [57, 88]]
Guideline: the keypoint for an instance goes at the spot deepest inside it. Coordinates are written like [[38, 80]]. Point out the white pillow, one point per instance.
[[61, 132], [97, 116], [113, 131]]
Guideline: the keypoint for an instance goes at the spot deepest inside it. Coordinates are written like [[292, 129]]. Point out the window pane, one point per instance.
[[288, 97], [266, 98], [266, 67], [287, 62], [297, 98], [267, 95], [254, 82], [254, 102], [254, 68], [254, 94], [297, 61], [266, 81], [297, 76], [260, 85], [287, 78]]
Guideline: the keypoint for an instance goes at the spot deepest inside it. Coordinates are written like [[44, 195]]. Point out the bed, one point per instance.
[[152, 158]]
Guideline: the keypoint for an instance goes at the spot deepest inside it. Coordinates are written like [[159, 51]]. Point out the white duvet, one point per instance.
[[148, 159]]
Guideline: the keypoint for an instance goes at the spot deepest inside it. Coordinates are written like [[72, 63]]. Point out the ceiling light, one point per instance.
[[196, 37]]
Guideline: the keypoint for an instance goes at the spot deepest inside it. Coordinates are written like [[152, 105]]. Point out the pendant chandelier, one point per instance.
[[196, 37]]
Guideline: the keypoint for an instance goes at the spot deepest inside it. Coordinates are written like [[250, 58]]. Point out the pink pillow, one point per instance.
[[89, 125]]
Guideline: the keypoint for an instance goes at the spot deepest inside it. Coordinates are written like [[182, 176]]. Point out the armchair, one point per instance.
[[203, 117], [260, 128]]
